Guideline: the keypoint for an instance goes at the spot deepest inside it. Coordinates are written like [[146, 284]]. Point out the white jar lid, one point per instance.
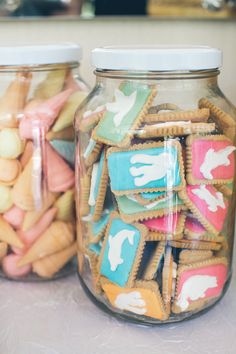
[[40, 54], [157, 58]]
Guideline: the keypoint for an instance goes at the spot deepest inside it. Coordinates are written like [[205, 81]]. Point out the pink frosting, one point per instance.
[[199, 150], [217, 217], [219, 271], [165, 224], [193, 225]]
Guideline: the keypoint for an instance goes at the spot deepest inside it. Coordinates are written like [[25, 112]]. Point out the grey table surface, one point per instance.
[[57, 318]]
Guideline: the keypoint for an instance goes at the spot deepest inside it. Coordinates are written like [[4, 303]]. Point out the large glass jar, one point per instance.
[[154, 171], [40, 89]]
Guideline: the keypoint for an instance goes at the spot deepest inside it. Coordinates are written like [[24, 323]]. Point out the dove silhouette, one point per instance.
[[121, 106]]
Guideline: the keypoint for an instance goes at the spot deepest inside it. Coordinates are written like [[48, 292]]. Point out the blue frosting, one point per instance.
[[152, 195], [95, 248], [100, 225], [119, 164], [128, 253]]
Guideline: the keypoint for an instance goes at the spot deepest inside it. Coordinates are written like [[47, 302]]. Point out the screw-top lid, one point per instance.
[[40, 54], [157, 58]]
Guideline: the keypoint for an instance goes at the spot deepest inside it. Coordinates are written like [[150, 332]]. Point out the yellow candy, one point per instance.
[[66, 116], [52, 85], [11, 145], [65, 206], [6, 201]]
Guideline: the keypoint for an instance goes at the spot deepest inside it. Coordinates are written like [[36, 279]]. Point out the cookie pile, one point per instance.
[[155, 191], [37, 232]]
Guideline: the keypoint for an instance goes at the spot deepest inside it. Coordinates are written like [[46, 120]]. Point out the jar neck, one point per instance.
[[40, 67], [156, 75]]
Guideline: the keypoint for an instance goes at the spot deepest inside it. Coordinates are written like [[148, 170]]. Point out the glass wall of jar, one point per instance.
[[40, 89], [154, 173]]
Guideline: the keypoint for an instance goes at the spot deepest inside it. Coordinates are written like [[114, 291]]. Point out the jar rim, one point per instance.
[[40, 54], [157, 58]]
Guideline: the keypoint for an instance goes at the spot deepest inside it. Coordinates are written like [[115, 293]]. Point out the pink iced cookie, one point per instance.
[[28, 237], [43, 116], [9, 266], [18, 251], [14, 217], [210, 159], [208, 205], [165, 224], [199, 282], [194, 226]]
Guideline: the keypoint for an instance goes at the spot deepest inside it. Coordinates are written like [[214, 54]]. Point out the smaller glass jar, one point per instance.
[[40, 89], [155, 199]]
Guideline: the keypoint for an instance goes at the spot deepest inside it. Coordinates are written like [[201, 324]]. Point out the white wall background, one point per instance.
[[93, 33]]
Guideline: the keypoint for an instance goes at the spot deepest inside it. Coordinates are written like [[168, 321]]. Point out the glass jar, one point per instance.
[[155, 197], [40, 89]]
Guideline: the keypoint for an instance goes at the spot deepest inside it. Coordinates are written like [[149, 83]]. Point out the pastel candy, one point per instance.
[[8, 235], [65, 134], [65, 206], [66, 116], [32, 217], [66, 149], [52, 84], [48, 266], [9, 171], [6, 201], [14, 216], [10, 267], [11, 145], [27, 154], [29, 237], [57, 237], [23, 193], [60, 177], [13, 100], [42, 116]]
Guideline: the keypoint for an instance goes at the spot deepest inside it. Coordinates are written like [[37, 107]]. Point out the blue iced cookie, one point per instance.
[[124, 114], [150, 167], [66, 149], [122, 251], [97, 228], [98, 187]]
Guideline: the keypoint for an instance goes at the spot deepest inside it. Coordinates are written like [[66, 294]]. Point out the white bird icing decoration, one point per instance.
[[121, 106]]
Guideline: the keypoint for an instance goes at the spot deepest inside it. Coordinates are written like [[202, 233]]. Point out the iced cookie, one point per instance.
[[177, 128], [124, 114], [98, 187], [199, 283], [210, 159], [130, 210], [122, 251], [143, 299], [149, 167], [154, 261], [208, 205], [195, 231], [92, 152], [167, 227]]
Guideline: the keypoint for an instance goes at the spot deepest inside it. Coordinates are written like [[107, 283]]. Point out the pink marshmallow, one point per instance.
[[14, 217], [29, 237]]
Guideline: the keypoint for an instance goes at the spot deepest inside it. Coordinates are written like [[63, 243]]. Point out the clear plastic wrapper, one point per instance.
[[40, 89], [155, 164]]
